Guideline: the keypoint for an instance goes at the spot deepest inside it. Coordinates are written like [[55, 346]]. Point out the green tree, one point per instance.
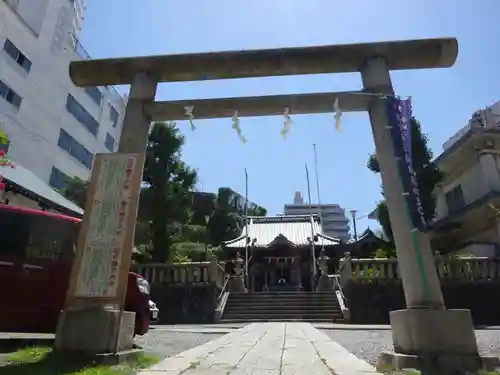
[[228, 214], [428, 175], [170, 181], [202, 207], [224, 223], [164, 205], [75, 190]]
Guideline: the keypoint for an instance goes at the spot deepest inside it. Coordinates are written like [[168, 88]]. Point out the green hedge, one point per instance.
[[370, 302], [185, 304]]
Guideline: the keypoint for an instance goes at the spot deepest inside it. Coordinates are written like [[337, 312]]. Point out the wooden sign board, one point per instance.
[[101, 266]]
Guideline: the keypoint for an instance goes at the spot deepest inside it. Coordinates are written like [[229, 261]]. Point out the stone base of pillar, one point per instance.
[[434, 341], [94, 330]]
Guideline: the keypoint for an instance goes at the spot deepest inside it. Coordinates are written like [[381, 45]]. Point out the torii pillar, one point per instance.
[[426, 334]]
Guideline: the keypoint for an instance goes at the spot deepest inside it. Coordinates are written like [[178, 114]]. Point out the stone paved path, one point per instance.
[[266, 349]]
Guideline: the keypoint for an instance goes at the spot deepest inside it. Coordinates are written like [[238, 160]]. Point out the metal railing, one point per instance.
[[223, 295], [80, 50], [224, 287]]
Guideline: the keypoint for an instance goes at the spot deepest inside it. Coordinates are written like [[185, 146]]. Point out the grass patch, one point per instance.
[[29, 355], [145, 361], [39, 361]]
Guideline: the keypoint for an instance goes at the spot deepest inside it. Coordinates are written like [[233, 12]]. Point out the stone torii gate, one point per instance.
[[425, 328]]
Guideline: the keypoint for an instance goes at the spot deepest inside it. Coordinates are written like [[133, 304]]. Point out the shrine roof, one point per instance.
[[295, 230]]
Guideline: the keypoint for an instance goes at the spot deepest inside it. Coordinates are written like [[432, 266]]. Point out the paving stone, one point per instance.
[[316, 369], [336, 357], [254, 371], [266, 349], [164, 344]]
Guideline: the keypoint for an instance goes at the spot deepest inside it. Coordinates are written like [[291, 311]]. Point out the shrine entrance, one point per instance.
[[281, 273], [281, 255], [374, 61]]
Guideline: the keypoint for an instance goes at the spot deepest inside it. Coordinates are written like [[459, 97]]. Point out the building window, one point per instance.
[[75, 149], [10, 95], [81, 114], [114, 116], [110, 142], [17, 55], [58, 179], [95, 94], [455, 199]]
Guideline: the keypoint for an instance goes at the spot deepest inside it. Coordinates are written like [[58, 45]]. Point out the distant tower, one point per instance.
[[298, 198]]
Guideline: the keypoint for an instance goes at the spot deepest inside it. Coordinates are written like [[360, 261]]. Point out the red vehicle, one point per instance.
[[36, 254]]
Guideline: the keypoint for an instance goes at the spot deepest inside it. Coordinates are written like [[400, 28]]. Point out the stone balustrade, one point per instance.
[[189, 273], [463, 268]]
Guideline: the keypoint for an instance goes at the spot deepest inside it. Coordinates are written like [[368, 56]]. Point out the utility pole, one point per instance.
[[353, 214], [312, 226], [320, 207], [247, 240]]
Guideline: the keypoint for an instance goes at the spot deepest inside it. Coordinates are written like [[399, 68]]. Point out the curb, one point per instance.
[[202, 332], [8, 345], [352, 328]]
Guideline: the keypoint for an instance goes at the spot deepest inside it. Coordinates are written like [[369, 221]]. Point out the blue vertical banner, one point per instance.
[[399, 114]]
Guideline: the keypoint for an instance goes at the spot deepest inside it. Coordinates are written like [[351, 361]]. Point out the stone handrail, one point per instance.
[[345, 269], [341, 298], [463, 268]]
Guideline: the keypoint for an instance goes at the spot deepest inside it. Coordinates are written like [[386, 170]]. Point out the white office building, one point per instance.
[[53, 127], [334, 222]]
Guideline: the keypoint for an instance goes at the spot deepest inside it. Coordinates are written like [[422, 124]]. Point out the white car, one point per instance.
[[154, 313]]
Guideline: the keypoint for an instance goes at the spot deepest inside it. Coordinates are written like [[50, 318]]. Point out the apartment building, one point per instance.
[[333, 219], [468, 199], [53, 128]]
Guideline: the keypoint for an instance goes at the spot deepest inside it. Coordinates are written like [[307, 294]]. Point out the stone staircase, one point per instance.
[[282, 306]]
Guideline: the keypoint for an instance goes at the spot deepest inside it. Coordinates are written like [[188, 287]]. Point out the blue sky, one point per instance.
[[443, 100]]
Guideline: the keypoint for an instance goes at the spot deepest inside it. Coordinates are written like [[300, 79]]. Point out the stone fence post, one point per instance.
[[237, 284], [345, 269], [213, 269]]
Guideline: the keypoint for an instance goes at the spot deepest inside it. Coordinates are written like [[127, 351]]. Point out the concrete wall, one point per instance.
[[31, 12], [477, 181], [34, 128], [488, 117], [479, 250], [483, 244]]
